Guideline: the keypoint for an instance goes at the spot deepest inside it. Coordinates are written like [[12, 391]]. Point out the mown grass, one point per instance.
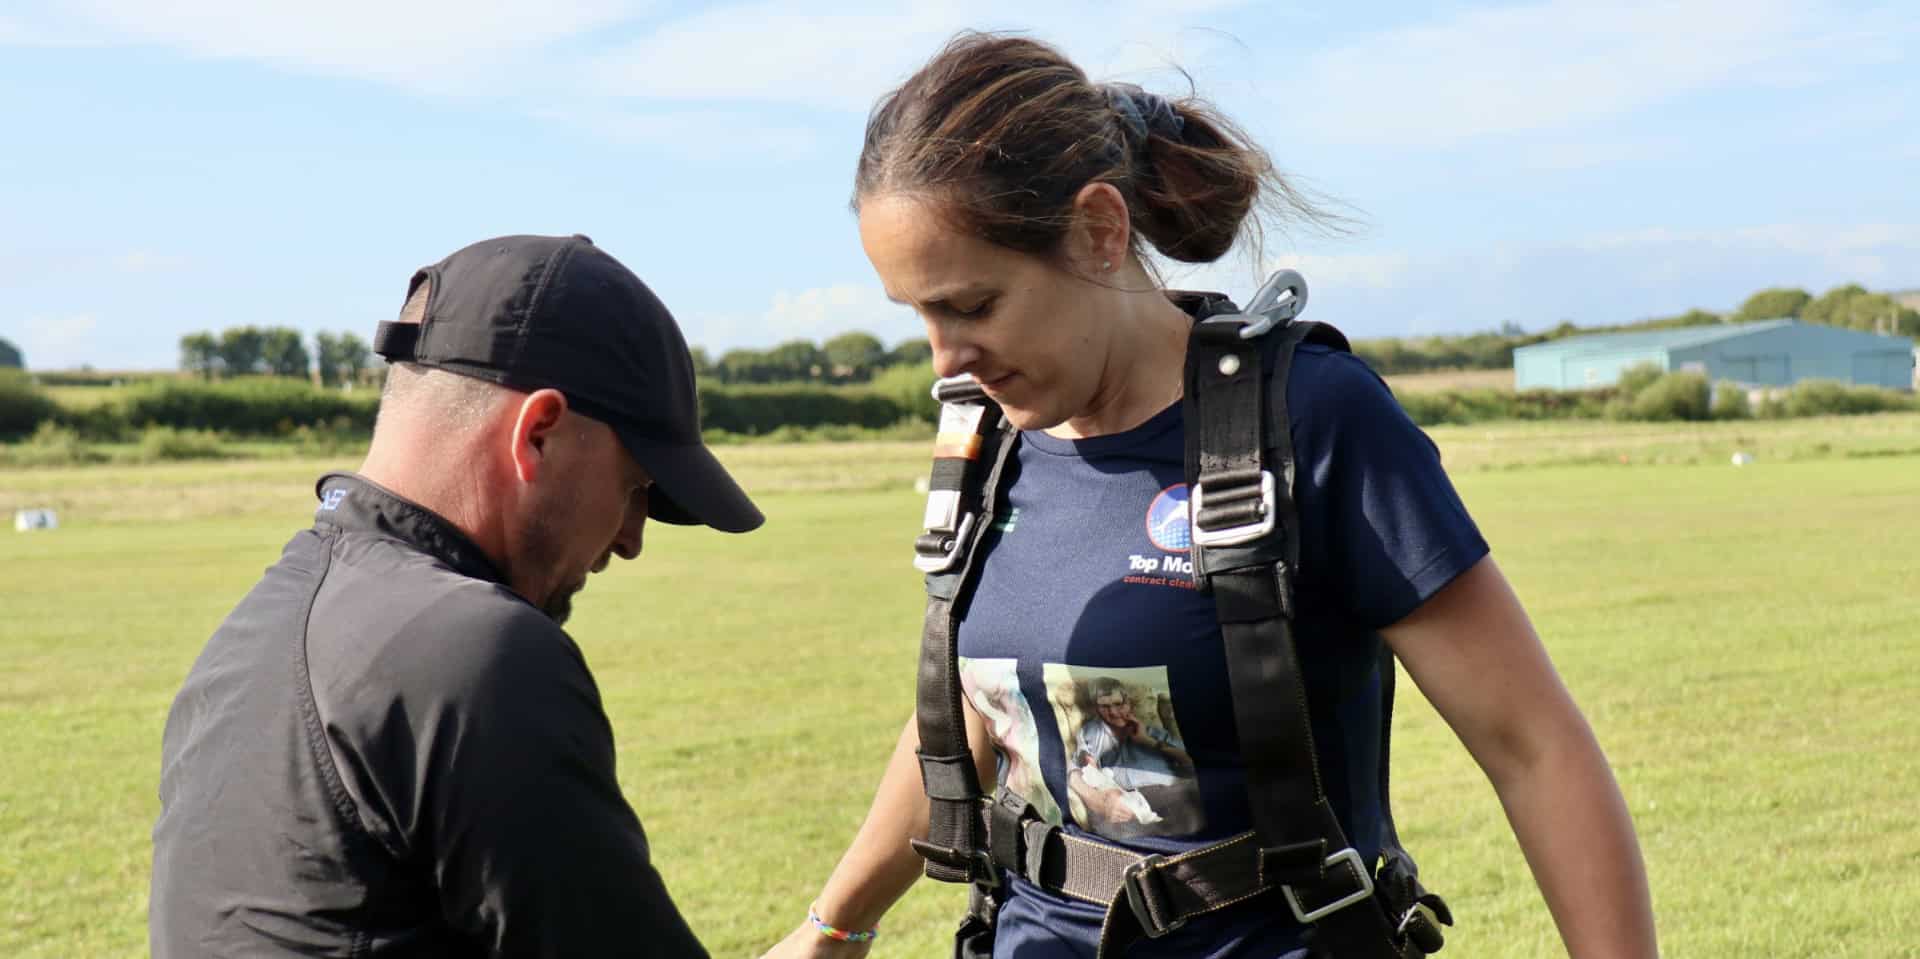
[[1744, 641]]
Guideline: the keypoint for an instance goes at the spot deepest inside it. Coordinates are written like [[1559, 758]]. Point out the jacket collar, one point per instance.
[[356, 504]]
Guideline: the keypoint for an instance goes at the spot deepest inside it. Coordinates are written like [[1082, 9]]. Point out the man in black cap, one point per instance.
[[390, 747]]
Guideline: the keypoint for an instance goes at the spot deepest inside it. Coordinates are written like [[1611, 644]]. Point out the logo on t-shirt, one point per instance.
[[1170, 532], [1167, 523]]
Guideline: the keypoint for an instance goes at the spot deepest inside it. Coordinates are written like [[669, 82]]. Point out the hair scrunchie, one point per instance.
[[1144, 113]]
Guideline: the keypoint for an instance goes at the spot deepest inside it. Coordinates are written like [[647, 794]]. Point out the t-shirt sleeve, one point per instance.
[[1382, 527], [535, 849]]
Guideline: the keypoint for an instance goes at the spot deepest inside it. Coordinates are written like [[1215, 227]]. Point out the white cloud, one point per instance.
[[440, 46], [1604, 278], [773, 53], [147, 261], [1874, 254], [764, 51], [708, 134], [14, 32], [1562, 63], [816, 314], [56, 342]]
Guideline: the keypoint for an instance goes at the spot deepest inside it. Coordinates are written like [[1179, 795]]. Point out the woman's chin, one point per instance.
[[1031, 419]]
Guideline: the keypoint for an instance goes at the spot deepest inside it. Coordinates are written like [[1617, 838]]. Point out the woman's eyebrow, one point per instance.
[[939, 297]]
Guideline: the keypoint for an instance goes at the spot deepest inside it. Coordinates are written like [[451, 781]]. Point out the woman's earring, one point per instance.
[[1106, 266]]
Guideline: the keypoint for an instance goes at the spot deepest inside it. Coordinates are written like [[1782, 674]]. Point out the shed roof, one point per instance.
[[1680, 337]]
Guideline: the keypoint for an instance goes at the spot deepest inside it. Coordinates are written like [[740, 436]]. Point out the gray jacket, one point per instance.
[[385, 752]]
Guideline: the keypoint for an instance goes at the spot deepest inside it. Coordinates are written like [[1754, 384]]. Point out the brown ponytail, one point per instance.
[[1003, 132]]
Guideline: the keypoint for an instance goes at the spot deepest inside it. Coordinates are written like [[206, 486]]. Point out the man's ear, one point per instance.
[[536, 421], [1102, 228]]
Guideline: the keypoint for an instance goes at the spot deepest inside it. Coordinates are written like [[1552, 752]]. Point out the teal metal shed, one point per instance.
[[1766, 353]]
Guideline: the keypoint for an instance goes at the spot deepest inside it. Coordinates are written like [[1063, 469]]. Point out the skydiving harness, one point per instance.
[[1245, 552]]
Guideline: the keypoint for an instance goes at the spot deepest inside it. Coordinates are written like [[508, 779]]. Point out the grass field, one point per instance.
[[1746, 642]]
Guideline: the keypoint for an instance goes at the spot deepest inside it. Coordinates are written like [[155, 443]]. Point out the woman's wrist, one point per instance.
[[827, 929]]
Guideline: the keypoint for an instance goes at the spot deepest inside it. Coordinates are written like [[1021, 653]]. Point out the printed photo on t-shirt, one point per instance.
[[1128, 771], [993, 687]]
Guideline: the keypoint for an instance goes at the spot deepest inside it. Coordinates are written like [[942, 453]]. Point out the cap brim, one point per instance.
[[691, 488]]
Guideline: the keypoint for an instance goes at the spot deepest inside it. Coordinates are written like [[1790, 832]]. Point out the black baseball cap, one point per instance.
[[557, 312]]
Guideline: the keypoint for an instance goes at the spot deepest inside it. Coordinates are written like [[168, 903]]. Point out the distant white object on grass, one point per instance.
[[26, 519], [920, 484], [1742, 458]]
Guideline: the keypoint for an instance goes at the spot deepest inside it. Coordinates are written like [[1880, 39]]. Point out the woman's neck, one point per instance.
[[1144, 368]]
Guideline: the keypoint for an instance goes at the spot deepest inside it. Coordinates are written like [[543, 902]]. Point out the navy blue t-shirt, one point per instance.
[[1100, 669]]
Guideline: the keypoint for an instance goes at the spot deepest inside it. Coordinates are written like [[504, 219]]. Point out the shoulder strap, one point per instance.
[[970, 456], [1246, 553]]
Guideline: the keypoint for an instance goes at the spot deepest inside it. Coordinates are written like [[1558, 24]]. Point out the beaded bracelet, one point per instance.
[[841, 935]]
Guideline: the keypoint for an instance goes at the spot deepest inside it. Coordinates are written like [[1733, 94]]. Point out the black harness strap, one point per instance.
[[1247, 555], [971, 452]]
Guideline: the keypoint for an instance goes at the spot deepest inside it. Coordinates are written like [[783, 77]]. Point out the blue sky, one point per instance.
[[198, 164]]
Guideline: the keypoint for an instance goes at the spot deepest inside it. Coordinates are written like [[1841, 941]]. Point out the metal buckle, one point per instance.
[[1137, 896], [1352, 859], [982, 870], [957, 389], [1415, 911], [942, 561], [1282, 297], [976, 863], [1233, 535], [1278, 300]]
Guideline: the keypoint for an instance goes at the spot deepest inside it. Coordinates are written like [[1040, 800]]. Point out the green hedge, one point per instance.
[[256, 406], [912, 388], [1730, 401], [1460, 407], [174, 418], [23, 407], [1830, 398], [753, 410], [1674, 396]]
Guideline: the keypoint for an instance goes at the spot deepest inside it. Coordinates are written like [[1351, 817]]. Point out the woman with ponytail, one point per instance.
[[1012, 203]]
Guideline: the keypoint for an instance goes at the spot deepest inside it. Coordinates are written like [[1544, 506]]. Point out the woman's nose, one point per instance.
[[953, 353]]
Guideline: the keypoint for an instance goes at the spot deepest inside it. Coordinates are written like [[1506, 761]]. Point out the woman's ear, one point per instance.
[[1102, 231], [535, 423]]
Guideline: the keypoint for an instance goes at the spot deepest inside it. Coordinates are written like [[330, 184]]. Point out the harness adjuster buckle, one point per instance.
[[1238, 533], [947, 543], [1349, 858], [976, 863], [1140, 898]]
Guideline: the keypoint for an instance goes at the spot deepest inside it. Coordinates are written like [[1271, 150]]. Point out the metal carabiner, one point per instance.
[[1278, 300]]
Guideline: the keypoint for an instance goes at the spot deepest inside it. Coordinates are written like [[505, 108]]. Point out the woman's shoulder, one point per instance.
[[1328, 386]]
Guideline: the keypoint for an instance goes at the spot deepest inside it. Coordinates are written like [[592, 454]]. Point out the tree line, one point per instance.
[[340, 358], [854, 357], [857, 357], [336, 358]]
